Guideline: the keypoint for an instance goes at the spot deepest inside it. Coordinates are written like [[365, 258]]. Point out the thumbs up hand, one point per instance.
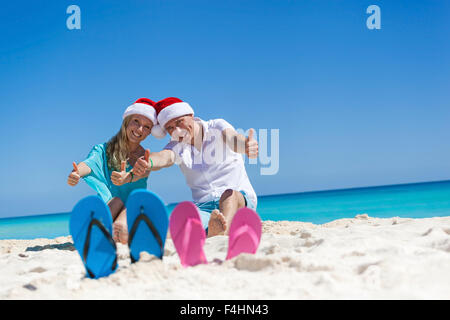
[[74, 176], [251, 145], [142, 164], [120, 178]]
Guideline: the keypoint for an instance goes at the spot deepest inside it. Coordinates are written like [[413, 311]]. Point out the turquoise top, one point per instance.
[[100, 177]]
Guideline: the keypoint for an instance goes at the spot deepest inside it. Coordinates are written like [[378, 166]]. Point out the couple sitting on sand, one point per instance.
[[208, 153]]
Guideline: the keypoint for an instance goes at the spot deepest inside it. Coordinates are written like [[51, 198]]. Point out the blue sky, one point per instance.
[[355, 107]]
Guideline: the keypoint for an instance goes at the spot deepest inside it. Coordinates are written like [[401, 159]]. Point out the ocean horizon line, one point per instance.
[[269, 195], [355, 188]]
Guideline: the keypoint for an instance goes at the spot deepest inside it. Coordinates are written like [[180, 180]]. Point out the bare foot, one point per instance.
[[120, 232], [217, 224]]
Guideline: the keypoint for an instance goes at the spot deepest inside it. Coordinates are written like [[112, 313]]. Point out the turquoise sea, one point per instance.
[[418, 200]]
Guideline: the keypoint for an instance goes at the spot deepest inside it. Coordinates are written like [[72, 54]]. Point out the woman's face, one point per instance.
[[138, 128]]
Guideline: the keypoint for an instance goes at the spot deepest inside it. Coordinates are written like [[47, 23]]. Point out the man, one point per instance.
[[209, 155]]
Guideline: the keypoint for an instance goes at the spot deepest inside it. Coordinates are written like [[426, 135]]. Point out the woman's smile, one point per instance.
[[136, 135]]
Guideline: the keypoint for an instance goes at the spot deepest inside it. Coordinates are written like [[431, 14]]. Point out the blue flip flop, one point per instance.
[[148, 222], [91, 228]]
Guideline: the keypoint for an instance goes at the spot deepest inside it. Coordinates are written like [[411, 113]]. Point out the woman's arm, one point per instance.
[[79, 170], [83, 169]]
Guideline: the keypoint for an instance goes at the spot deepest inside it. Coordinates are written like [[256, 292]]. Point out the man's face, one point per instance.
[[181, 129]]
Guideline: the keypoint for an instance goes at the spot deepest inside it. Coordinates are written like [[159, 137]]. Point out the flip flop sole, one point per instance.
[[91, 227], [187, 233], [245, 233], [147, 221]]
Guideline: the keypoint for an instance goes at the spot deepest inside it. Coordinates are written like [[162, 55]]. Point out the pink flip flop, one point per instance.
[[245, 233], [187, 234]]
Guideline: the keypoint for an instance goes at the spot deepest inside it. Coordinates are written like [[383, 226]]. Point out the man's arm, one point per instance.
[[153, 162], [234, 140], [239, 143], [162, 159]]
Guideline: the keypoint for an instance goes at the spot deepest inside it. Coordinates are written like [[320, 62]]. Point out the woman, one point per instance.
[[108, 168]]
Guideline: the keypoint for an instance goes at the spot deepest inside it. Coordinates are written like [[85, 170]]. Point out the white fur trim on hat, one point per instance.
[[175, 110], [143, 109]]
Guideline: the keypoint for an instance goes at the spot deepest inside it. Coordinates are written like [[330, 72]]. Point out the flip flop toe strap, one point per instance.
[[87, 244], [151, 227], [245, 230], [186, 236]]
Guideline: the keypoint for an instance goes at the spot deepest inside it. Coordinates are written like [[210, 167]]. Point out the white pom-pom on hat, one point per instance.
[[158, 131]]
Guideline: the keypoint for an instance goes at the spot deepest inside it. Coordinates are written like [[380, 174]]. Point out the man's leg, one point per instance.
[[229, 203]]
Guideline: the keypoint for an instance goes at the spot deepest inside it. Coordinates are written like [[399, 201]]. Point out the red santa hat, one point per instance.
[[145, 107], [168, 109]]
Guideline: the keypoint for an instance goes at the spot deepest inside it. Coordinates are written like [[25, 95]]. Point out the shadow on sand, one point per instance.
[[60, 246]]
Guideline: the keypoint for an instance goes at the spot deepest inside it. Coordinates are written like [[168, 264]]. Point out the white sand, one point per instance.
[[359, 258]]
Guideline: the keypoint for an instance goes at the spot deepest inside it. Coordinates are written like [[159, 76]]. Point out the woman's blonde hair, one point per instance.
[[117, 147]]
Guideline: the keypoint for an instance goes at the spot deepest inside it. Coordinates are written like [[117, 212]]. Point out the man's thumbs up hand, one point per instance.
[[251, 145], [142, 164]]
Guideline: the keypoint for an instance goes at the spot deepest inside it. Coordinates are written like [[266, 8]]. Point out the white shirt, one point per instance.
[[213, 169]]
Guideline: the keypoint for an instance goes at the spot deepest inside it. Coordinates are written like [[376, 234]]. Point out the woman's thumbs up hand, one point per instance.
[[74, 176], [119, 177]]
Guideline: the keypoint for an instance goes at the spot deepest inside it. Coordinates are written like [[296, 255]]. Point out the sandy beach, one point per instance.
[[358, 258]]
